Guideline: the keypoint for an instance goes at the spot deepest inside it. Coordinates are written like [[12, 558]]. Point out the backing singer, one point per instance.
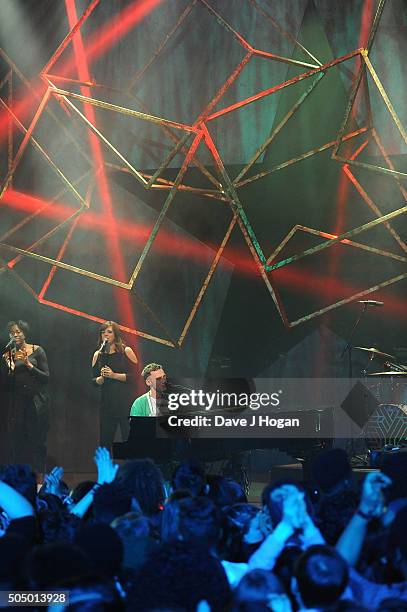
[[112, 372], [25, 374]]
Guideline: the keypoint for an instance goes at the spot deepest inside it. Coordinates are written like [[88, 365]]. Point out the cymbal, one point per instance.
[[388, 374], [375, 352]]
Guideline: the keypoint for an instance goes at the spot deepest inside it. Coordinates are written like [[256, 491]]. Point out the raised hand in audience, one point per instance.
[[293, 505], [372, 500], [52, 482], [107, 470], [371, 506], [265, 525]]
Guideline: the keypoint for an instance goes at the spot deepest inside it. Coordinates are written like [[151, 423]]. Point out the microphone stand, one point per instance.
[[348, 348], [11, 424]]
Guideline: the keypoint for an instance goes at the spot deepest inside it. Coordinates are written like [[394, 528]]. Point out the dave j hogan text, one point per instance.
[[255, 420]]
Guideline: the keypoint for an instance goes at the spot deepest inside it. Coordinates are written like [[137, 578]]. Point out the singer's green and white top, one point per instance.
[[144, 406]]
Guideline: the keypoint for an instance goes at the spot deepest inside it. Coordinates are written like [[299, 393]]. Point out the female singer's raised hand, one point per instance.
[[107, 470]]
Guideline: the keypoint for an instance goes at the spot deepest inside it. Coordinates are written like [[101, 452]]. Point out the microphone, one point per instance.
[[11, 344], [371, 302], [103, 347]]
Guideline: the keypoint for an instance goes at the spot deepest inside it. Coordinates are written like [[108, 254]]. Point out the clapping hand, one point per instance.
[[107, 470], [293, 505], [372, 499], [52, 481], [265, 525]]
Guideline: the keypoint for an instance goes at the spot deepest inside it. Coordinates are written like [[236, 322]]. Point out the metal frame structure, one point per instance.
[[225, 189]]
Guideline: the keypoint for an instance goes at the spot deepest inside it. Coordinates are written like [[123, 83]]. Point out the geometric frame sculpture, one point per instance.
[[224, 188]]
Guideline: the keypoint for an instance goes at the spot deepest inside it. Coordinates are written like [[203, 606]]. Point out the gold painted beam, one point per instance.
[[373, 206], [172, 136], [24, 142], [295, 160], [33, 215], [388, 161], [242, 41], [283, 60], [65, 266], [48, 110], [122, 109], [271, 90], [371, 167], [277, 129], [349, 234], [385, 97], [60, 49], [352, 298], [207, 280], [283, 32], [314, 232], [37, 145], [165, 208], [161, 46]]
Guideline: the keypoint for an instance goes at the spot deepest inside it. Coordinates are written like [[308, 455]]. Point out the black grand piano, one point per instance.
[[152, 437], [144, 441]]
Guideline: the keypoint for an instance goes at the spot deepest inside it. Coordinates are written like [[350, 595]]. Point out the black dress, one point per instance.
[[28, 404], [115, 397]]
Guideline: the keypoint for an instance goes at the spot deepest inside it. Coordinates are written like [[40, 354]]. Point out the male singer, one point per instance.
[[156, 380]]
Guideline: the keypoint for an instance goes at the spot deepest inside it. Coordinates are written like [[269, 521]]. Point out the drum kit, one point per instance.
[[388, 424], [391, 388], [393, 367], [388, 385]]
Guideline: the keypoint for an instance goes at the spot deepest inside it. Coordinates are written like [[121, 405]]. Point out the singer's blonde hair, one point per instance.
[[151, 367]]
